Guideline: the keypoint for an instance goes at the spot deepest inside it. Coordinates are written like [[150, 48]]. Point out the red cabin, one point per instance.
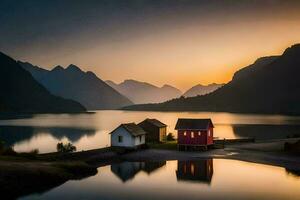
[[194, 133]]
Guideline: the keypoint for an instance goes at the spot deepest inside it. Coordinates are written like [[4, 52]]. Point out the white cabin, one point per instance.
[[128, 135]]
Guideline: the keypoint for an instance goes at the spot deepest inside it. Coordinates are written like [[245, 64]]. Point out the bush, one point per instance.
[[170, 137], [65, 148], [9, 152]]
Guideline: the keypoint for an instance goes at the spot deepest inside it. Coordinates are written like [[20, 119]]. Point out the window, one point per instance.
[[140, 138], [208, 133], [120, 139], [192, 134], [192, 169], [199, 133], [184, 133]]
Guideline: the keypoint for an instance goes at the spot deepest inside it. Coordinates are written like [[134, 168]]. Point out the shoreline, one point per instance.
[[47, 171]]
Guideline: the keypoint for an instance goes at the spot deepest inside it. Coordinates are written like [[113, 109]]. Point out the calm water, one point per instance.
[[89, 131], [204, 179]]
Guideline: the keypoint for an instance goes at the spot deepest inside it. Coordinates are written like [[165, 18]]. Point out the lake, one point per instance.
[[90, 131], [201, 179]]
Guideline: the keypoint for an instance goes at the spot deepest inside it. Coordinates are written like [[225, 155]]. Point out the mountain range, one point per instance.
[[21, 93], [73, 83], [269, 85], [199, 90], [142, 92]]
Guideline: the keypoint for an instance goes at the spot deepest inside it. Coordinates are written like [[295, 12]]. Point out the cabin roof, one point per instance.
[[193, 124], [132, 128], [155, 122]]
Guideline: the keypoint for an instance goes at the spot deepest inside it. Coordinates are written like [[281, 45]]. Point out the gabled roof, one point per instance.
[[132, 128], [193, 124], [155, 122]]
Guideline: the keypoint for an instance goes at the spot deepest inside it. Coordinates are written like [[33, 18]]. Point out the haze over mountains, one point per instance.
[[202, 89], [142, 92], [84, 87], [21, 93], [269, 85]]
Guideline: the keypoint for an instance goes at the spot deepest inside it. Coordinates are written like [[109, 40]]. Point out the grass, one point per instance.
[[169, 145]]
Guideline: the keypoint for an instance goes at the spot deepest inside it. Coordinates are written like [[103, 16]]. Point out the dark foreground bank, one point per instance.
[[20, 176]]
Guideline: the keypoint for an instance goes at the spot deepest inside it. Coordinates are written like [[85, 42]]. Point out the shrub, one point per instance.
[[170, 137], [65, 148], [34, 152], [9, 152]]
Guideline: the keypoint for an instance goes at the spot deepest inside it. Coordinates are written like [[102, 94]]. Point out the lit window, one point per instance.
[[184, 133], [120, 139], [192, 169], [199, 133], [192, 134]]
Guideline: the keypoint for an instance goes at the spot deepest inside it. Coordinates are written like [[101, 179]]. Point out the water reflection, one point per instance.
[[195, 171], [127, 170], [176, 180], [24, 138], [90, 131], [262, 132]]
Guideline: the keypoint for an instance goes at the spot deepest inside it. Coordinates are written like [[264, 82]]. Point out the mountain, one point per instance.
[[21, 93], [84, 87], [142, 92], [270, 85], [202, 89]]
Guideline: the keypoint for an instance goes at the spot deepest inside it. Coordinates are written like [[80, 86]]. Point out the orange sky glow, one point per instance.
[[172, 47]]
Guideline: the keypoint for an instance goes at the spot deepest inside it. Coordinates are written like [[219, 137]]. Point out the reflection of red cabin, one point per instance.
[[193, 133], [195, 171]]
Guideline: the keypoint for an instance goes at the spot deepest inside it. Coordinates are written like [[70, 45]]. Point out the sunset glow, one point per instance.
[[182, 44]]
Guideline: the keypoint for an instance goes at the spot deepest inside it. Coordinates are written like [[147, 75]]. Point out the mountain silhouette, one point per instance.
[[142, 92], [199, 90], [84, 87], [270, 85], [21, 93]]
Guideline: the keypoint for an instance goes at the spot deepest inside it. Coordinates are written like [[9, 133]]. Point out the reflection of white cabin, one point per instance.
[[127, 135]]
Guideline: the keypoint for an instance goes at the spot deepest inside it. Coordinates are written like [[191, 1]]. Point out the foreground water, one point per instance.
[[202, 179], [89, 131]]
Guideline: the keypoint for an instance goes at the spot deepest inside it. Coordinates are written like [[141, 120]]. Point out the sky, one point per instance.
[[176, 42]]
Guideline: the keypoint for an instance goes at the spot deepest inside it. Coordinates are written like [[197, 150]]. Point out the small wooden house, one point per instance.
[[194, 133], [156, 130], [128, 135]]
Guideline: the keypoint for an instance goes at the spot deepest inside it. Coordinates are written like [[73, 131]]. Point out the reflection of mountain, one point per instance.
[[127, 170], [195, 171], [266, 131], [13, 134]]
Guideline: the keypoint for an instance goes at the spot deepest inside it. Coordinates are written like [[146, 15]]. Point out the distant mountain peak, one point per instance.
[[57, 68], [269, 85], [84, 87], [143, 92], [74, 68], [202, 89]]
